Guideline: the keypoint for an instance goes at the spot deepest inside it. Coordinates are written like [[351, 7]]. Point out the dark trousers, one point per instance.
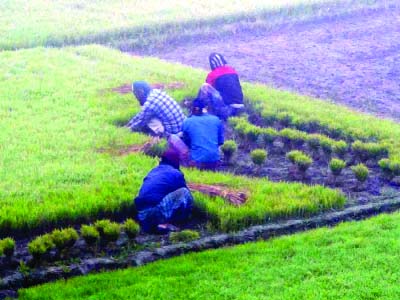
[[175, 208]]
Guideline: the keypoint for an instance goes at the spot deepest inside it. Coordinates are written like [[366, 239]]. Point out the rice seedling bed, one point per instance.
[[57, 199], [82, 253], [85, 250], [279, 139], [58, 162]]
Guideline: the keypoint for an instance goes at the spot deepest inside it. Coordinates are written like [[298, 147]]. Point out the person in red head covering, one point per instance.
[[226, 81]]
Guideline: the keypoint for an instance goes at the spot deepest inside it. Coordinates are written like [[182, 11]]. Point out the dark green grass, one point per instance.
[[58, 143], [358, 260]]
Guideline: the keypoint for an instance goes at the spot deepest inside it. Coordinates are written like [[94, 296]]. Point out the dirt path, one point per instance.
[[353, 60]]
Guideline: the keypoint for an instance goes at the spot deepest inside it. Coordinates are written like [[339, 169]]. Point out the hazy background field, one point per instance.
[[45, 22]]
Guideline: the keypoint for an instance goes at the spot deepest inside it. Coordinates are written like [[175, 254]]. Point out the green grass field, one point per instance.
[[57, 155], [59, 138], [357, 260]]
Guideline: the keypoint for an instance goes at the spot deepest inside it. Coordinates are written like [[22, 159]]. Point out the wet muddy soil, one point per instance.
[[23, 260], [278, 168], [352, 60]]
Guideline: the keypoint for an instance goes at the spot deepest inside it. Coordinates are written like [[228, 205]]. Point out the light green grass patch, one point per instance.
[[357, 260], [54, 121], [266, 202], [58, 120]]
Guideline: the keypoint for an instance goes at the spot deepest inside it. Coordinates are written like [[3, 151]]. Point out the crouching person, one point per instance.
[[203, 134], [213, 101], [160, 114], [226, 81], [164, 201]]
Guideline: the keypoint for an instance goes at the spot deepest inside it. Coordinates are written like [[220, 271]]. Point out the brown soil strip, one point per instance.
[[235, 197], [127, 88], [137, 148], [123, 89], [131, 148]]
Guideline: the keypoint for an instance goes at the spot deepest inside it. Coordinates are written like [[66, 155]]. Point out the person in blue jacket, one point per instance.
[[203, 134], [164, 201]]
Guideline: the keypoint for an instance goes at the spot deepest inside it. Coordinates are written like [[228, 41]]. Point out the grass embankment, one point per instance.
[[59, 139], [319, 264], [131, 24]]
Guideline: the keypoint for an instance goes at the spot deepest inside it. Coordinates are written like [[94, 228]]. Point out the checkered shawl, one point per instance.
[[159, 105]]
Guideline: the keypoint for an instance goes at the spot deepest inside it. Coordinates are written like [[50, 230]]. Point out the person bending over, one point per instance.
[[213, 101], [160, 114], [226, 81], [164, 201], [203, 134]]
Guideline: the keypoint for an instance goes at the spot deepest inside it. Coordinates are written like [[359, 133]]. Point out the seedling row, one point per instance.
[[61, 246], [286, 154]]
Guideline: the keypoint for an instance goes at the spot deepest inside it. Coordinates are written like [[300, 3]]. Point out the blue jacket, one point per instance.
[[160, 181], [203, 134]]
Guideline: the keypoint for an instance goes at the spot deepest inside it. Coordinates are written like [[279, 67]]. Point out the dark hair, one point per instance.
[[170, 157], [199, 103], [197, 106]]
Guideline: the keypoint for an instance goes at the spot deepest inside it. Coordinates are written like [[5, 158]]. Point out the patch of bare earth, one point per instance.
[[352, 60], [127, 88]]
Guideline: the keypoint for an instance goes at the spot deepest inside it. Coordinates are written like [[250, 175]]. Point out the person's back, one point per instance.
[[203, 133], [225, 80], [160, 181], [160, 114], [164, 199], [167, 110]]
